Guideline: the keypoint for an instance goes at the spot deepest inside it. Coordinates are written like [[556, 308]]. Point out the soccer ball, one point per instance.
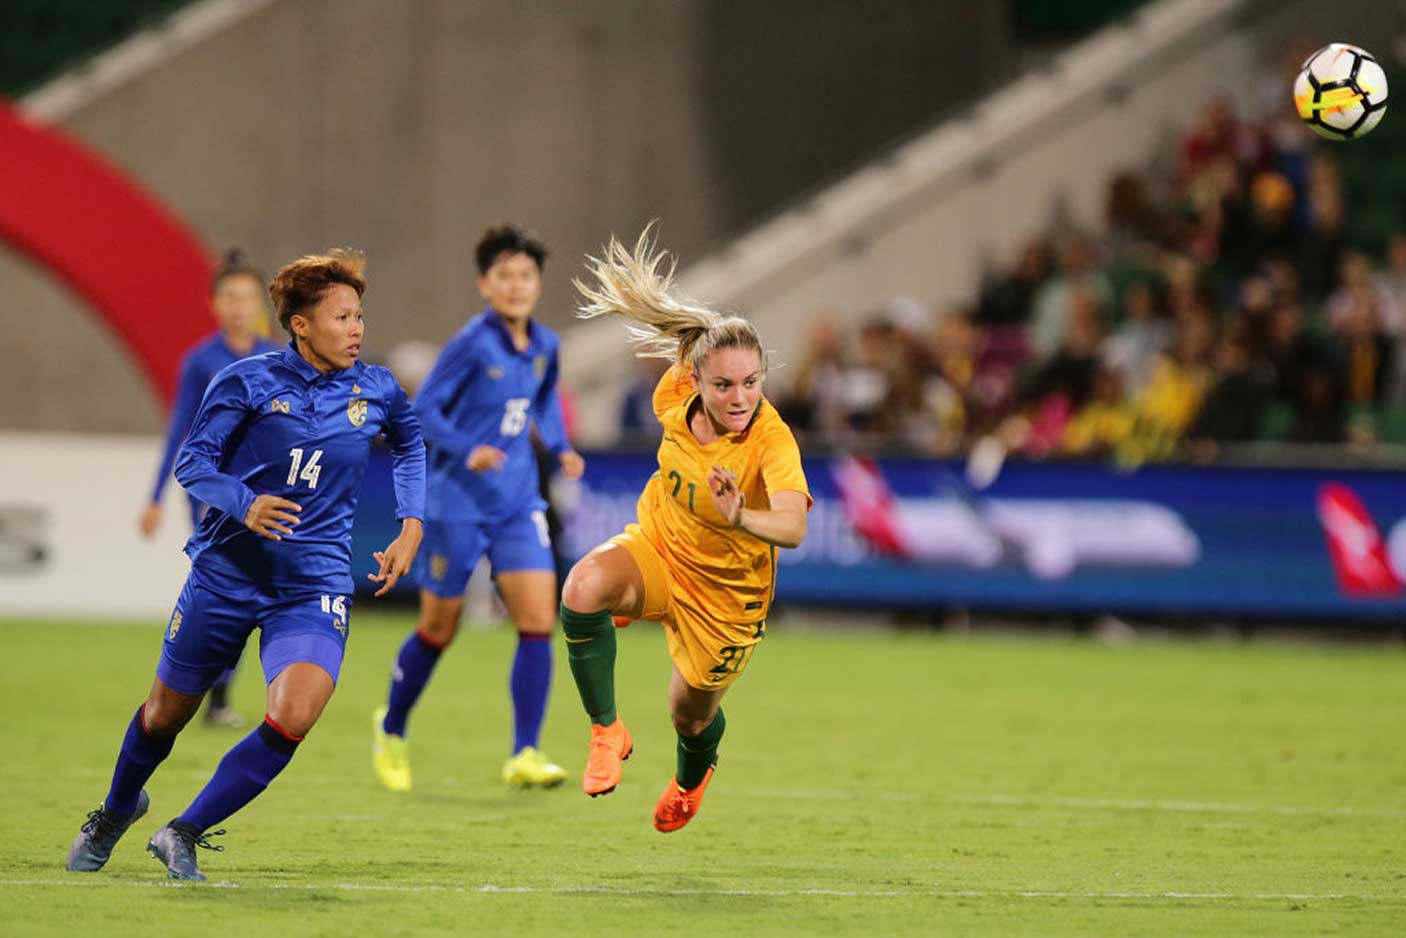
[[1340, 92]]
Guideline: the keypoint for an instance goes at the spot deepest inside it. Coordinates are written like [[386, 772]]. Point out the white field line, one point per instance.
[[994, 800], [495, 889]]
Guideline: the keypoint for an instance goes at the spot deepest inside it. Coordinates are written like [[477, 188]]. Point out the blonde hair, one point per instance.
[[635, 286]]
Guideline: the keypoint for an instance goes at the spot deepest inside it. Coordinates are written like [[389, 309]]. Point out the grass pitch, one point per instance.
[[869, 783]]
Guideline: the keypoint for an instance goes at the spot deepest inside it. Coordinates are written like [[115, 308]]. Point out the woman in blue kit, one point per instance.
[[278, 451], [238, 299], [493, 384]]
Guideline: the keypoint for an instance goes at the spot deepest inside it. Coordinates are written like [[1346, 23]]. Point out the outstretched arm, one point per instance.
[[408, 471]]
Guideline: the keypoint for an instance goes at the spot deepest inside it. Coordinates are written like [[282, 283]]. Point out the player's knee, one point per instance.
[[166, 712], [439, 632], [537, 624], [295, 718], [587, 588], [689, 726]]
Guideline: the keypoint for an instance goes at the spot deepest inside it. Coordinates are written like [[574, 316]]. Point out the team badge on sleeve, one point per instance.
[[356, 411], [539, 367], [175, 625]]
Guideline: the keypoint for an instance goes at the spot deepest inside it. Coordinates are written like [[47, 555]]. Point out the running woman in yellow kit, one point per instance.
[[702, 559]]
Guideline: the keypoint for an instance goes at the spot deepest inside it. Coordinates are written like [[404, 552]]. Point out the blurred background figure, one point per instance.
[[240, 304]]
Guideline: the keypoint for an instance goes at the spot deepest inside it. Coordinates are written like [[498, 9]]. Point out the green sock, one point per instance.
[[698, 754], [590, 650]]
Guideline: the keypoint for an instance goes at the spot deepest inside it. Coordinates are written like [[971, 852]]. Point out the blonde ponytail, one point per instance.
[[632, 285]]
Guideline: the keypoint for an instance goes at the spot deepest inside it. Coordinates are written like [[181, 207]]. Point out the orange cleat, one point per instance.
[[610, 746], [677, 807], [622, 622]]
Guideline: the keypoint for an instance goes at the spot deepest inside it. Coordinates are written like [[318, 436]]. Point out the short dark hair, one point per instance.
[[301, 284], [235, 263], [508, 238]]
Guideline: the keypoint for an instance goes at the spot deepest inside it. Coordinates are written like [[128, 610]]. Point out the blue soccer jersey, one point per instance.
[[483, 391], [198, 368], [273, 424]]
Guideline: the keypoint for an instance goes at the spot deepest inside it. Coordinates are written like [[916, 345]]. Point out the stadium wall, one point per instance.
[[406, 128], [68, 528]]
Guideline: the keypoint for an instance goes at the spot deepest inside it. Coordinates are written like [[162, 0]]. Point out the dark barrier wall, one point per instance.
[[1059, 537]]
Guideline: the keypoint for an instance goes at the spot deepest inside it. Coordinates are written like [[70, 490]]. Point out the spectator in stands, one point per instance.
[[1105, 422], [1140, 339], [1063, 382], [1054, 304], [1234, 406], [1007, 301], [816, 404], [1364, 350], [1321, 246], [867, 384], [1173, 394], [1133, 225], [949, 382], [1357, 288]]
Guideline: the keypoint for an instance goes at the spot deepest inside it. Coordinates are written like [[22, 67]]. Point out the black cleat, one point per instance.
[[99, 834], [175, 846]]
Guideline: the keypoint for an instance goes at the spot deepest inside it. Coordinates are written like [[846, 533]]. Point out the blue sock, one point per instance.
[[136, 761], [242, 774], [530, 682], [412, 672]]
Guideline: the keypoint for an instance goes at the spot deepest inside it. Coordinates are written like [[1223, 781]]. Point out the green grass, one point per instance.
[[870, 784]]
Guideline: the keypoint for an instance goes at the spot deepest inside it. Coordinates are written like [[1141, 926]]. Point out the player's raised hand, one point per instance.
[[150, 520], [572, 465], [270, 516], [396, 559], [485, 458], [727, 497]]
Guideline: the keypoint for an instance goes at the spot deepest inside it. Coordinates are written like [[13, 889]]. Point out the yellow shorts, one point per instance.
[[709, 654]]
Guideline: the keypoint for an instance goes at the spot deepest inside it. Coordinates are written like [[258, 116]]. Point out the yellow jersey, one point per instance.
[[721, 571]]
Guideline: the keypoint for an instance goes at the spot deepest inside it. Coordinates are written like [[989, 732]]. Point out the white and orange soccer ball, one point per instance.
[[1341, 92]]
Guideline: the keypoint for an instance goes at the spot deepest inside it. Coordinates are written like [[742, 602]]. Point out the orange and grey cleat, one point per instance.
[[610, 746], [678, 806]]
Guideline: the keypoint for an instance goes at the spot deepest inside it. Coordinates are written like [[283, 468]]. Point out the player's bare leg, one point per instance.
[[530, 596], [699, 723], [606, 581]]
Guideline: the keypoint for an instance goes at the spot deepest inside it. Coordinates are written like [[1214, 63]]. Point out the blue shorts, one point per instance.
[[214, 617], [451, 550]]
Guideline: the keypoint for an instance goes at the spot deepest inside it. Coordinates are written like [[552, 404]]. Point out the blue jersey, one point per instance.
[[481, 391], [273, 424], [198, 367]]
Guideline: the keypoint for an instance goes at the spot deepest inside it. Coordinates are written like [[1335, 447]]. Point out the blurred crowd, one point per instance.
[[1221, 303]]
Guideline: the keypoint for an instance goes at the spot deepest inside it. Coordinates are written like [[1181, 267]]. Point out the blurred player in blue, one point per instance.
[[493, 382], [278, 451], [237, 296]]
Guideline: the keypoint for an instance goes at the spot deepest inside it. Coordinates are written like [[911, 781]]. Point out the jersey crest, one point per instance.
[[356, 411], [494, 372], [279, 407], [539, 366]]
